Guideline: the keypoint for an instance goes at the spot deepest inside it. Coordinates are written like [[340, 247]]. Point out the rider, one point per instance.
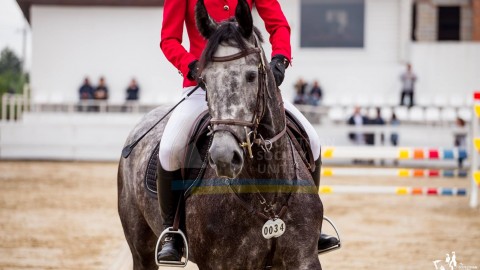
[[176, 13]]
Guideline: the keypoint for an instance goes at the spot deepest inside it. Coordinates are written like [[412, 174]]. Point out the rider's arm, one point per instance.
[[276, 25], [174, 12]]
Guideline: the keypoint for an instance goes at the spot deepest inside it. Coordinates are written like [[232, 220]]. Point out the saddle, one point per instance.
[[195, 160]]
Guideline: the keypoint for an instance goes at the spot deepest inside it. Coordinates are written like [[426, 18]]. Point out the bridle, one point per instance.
[[266, 144], [259, 111]]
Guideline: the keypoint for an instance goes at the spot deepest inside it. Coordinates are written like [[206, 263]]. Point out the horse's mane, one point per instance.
[[227, 32]]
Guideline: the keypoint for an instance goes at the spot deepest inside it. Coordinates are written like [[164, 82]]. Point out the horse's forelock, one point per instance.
[[229, 33]]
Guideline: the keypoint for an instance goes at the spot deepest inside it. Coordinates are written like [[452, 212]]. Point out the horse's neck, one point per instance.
[[274, 164]]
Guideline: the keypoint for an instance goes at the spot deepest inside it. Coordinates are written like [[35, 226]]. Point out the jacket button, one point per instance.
[[226, 7]]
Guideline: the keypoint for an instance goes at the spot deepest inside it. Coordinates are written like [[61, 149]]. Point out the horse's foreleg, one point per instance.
[[314, 264], [138, 233], [141, 241]]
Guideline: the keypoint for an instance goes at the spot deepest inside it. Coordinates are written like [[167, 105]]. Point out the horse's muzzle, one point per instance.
[[225, 156]]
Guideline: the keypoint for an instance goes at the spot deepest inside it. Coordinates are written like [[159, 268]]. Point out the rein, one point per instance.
[[268, 214], [259, 112]]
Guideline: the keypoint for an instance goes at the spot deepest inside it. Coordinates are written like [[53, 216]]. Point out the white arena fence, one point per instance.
[[438, 110], [13, 105]]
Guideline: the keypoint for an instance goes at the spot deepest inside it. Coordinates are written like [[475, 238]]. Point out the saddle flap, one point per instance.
[[197, 146], [194, 159], [300, 140]]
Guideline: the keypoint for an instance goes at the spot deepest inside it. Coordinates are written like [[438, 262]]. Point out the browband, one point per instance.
[[236, 56]]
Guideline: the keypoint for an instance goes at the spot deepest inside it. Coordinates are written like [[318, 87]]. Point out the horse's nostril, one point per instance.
[[237, 159]]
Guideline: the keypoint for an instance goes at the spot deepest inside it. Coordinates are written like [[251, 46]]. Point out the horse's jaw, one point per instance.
[[226, 171]]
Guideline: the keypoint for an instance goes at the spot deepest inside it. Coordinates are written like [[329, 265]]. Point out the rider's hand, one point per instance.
[[193, 70], [193, 74], [278, 65]]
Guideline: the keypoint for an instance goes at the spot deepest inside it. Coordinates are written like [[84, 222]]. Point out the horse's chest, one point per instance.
[[220, 234]]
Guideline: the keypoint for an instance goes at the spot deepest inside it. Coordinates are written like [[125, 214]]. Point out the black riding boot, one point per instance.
[[171, 249], [326, 241]]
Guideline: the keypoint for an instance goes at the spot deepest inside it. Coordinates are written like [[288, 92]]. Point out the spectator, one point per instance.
[[133, 90], [394, 135], [101, 92], [86, 90], [408, 79], [316, 94], [300, 87], [358, 120], [378, 120], [85, 95], [460, 139]]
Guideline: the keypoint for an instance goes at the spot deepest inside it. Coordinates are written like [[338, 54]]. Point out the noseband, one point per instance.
[[259, 112]]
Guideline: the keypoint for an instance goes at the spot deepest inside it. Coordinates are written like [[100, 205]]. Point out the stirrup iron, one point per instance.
[[180, 263], [335, 247]]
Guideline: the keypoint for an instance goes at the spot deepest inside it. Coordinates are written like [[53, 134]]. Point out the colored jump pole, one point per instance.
[[475, 152]]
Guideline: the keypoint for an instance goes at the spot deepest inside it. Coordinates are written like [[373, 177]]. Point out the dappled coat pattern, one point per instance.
[[222, 233]]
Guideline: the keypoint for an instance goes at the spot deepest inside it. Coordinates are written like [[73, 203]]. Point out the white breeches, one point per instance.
[[175, 135]]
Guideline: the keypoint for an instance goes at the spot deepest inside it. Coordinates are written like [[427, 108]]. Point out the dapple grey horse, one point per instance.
[[256, 205]]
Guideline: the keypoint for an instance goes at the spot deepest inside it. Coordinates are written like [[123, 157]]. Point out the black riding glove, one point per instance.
[[193, 70], [278, 65]]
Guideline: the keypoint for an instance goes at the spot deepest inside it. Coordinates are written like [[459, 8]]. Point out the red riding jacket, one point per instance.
[[178, 12]]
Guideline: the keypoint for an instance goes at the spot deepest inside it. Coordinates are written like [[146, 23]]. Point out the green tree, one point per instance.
[[9, 61], [12, 78]]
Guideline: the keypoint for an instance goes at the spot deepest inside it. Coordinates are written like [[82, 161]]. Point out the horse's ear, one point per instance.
[[244, 18], [205, 24]]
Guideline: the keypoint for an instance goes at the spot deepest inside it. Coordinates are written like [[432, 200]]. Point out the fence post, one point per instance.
[[4, 107], [475, 174], [26, 97], [19, 105], [11, 103]]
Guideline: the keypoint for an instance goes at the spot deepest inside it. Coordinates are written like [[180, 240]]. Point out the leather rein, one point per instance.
[[259, 112], [265, 144]]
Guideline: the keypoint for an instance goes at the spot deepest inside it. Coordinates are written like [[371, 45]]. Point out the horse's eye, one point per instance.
[[251, 76]]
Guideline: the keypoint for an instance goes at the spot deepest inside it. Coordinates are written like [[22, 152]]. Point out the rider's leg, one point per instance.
[[326, 241], [171, 249], [175, 135], [172, 150], [312, 133]]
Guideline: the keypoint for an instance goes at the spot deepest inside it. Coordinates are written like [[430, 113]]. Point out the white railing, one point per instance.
[[13, 106], [93, 106], [433, 114]]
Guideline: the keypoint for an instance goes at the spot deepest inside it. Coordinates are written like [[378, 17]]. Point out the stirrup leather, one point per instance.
[[163, 235], [335, 247]]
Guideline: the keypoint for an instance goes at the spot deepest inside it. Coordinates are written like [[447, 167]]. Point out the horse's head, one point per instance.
[[233, 71]]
